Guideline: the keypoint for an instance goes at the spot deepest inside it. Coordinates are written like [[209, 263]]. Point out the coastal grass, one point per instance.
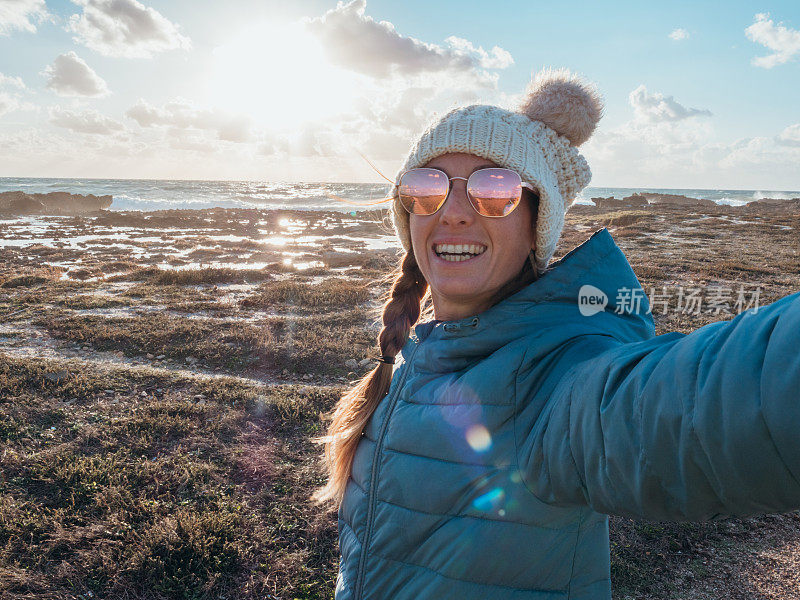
[[740, 269], [24, 281], [649, 559], [331, 293], [208, 275], [27, 277], [117, 266], [50, 291], [307, 345], [179, 298], [92, 301], [129, 483]]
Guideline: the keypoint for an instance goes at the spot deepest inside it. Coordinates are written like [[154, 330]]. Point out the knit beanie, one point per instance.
[[538, 140]]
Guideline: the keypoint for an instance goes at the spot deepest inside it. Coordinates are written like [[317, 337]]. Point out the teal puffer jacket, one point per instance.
[[506, 438]]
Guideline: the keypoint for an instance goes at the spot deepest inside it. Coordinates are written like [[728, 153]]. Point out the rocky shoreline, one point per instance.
[[650, 199], [19, 203]]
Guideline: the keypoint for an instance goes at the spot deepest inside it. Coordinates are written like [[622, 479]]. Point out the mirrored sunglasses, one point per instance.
[[492, 192]]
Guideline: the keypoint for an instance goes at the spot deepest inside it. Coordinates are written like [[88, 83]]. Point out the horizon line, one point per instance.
[[317, 182]]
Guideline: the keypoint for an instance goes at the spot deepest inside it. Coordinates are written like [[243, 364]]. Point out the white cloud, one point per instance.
[[310, 141], [385, 120], [656, 147], [89, 121], [358, 42], [761, 153], [405, 109], [497, 59], [8, 103], [180, 114], [192, 141], [22, 15], [7, 80], [147, 115], [683, 154], [273, 145], [124, 28], [69, 75], [784, 42], [789, 136], [385, 145], [658, 107], [679, 34]]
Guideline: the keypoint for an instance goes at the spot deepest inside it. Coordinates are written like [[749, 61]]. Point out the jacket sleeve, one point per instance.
[[678, 427]]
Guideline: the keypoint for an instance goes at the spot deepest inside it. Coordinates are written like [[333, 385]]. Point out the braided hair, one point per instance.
[[356, 406]]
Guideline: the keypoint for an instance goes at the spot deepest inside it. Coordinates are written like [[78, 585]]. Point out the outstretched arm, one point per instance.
[[679, 427]]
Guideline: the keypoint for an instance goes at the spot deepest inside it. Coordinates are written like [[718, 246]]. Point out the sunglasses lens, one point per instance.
[[494, 192], [423, 191]]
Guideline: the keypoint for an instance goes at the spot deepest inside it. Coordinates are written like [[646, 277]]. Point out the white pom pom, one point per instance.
[[565, 103]]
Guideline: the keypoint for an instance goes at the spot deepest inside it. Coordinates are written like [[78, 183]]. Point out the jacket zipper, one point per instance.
[[373, 479]]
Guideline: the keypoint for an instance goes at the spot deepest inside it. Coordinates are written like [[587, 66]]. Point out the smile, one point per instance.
[[458, 252]]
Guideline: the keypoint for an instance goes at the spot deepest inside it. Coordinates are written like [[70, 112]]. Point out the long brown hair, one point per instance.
[[353, 411]]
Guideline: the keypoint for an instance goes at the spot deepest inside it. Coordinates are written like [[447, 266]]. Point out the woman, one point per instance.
[[484, 463]]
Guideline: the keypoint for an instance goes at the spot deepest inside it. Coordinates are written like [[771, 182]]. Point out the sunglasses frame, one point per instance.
[[524, 184]]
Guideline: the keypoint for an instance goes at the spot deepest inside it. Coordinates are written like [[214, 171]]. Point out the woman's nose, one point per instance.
[[457, 209]]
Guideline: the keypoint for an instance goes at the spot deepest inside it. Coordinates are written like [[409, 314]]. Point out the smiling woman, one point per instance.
[[279, 76], [481, 457]]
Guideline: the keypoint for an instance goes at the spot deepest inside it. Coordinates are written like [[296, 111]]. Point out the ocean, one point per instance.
[[150, 194]]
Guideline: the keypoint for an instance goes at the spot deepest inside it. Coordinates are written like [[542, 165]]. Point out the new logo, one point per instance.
[[591, 300]]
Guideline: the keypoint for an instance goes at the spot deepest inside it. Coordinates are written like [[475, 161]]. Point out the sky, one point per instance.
[[697, 94]]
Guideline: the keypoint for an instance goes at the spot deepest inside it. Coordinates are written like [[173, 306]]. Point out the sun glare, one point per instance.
[[277, 73]]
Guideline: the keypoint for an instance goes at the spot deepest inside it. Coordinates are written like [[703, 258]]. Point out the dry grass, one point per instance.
[[210, 275], [318, 345], [91, 301], [28, 277], [131, 484], [329, 294]]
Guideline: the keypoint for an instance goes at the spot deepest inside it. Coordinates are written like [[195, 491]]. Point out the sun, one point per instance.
[[279, 76]]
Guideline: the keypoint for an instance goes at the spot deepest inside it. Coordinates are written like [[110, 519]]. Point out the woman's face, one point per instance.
[[464, 288]]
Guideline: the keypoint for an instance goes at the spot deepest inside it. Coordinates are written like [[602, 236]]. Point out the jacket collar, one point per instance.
[[556, 306]]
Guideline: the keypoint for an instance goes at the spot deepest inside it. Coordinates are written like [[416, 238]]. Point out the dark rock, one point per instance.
[[672, 200], [52, 203], [773, 205], [629, 202], [20, 203]]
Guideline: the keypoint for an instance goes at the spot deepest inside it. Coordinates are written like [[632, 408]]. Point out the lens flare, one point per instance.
[[479, 438], [490, 500]]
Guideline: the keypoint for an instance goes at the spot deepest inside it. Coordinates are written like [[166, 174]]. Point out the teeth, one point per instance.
[[460, 248], [458, 252]]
